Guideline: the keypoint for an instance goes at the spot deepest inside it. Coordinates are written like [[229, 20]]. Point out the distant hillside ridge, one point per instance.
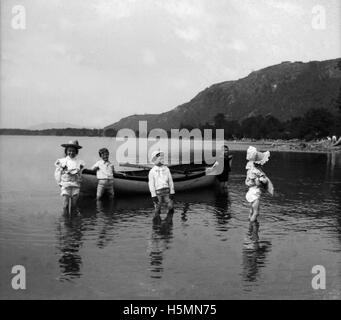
[[285, 90], [52, 125]]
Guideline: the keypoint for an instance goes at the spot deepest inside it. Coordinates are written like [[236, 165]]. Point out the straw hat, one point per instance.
[[72, 143], [156, 154], [257, 157]]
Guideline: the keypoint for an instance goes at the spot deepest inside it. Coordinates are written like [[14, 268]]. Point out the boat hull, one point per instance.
[[139, 184]]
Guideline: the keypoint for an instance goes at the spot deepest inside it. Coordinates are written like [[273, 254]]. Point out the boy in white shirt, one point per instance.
[[160, 183], [105, 174]]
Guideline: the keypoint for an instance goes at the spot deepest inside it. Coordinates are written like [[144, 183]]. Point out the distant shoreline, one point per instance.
[[293, 145]]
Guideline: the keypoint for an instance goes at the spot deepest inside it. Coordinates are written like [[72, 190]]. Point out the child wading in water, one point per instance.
[[256, 180], [68, 174], [105, 174], [225, 160], [161, 184]]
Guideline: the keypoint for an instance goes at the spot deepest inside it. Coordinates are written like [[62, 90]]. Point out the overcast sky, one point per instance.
[[92, 62]]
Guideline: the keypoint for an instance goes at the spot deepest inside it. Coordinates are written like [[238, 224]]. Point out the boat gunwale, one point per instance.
[[144, 178]]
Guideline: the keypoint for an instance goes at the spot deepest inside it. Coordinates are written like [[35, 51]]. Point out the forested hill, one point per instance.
[[283, 91]]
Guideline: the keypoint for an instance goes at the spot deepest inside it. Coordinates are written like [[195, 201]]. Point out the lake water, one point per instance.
[[209, 251]]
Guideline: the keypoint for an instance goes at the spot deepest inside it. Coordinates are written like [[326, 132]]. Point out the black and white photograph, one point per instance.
[[170, 150]]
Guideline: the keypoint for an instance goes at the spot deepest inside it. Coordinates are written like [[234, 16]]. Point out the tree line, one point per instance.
[[76, 132], [315, 124]]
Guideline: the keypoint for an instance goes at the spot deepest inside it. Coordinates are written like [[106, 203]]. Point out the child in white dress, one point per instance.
[[68, 174], [256, 180]]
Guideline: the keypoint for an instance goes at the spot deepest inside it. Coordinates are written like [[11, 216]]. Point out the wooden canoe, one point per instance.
[[185, 177]]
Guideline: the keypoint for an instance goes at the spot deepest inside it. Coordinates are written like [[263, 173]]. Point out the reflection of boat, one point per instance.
[[185, 177]]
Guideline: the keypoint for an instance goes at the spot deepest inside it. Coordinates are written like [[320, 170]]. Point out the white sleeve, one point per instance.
[[151, 183], [171, 183], [60, 163], [58, 174], [95, 166], [216, 163]]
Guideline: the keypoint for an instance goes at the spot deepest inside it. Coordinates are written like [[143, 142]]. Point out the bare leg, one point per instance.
[[169, 218], [170, 206], [251, 212], [255, 206], [254, 227], [100, 190], [75, 201], [170, 212], [111, 193], [157, 210], [223, 186], [99, 205], [65, 203]]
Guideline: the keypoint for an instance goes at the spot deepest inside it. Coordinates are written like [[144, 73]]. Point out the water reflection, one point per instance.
[[333, 161], [70, 239], [184, 211], [307, 208], [106, 214], [254, 253], [162, 234], [73, 230], [221, 205]]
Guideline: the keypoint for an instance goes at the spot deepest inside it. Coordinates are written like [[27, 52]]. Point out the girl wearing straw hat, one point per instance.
[[68, 174], [256, 179]]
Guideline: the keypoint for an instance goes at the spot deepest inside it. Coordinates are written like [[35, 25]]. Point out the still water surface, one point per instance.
[[209, 251]]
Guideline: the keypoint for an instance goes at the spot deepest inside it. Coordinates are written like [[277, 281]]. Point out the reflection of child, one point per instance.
[[105, 174], [161, 184], [68, 173], [256, 179]]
